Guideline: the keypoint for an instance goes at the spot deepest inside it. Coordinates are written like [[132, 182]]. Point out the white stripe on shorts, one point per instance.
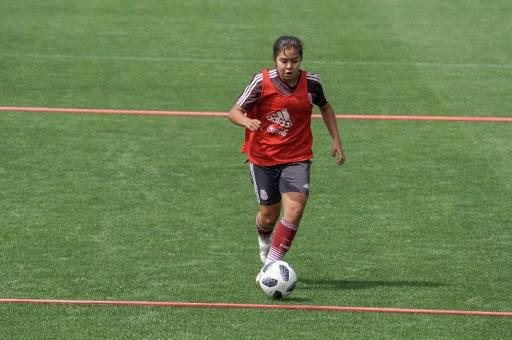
[[251, 166]]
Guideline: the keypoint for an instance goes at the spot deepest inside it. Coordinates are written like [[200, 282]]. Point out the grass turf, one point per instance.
[[161, 208], [102, 208]]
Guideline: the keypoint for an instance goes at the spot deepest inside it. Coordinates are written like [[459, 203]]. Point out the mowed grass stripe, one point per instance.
[[238, 61]]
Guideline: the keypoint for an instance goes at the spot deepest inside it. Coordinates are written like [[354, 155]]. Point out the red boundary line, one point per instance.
[[227, 305], [260, 306], [224, 114], [257, 306]]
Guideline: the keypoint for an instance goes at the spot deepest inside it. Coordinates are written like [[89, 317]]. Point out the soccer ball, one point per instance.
[[277, 279]]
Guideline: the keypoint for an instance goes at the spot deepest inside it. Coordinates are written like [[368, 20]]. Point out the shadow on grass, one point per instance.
[[354, 285], [292, 298]]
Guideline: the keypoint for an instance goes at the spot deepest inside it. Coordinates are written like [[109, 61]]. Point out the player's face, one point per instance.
[[288, 65]]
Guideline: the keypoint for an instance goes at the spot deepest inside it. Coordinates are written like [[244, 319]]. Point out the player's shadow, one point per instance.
[[355, 285]]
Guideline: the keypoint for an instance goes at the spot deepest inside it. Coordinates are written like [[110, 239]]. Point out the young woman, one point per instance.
[[275, 109]]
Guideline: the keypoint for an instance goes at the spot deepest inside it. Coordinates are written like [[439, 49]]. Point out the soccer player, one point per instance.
[[275, 109]]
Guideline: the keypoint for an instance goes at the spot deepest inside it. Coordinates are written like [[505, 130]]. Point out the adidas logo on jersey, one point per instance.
[[282, 119]]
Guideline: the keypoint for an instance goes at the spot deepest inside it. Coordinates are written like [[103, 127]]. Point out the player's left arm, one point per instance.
[[329, 118]]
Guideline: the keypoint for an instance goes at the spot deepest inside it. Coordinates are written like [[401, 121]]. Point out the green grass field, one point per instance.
[[156, 208]]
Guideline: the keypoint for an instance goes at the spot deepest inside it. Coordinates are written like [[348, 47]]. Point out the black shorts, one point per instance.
[[271, 181]]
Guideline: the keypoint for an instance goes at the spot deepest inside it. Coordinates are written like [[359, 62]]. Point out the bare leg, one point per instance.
[[294, 204], [268, 215]]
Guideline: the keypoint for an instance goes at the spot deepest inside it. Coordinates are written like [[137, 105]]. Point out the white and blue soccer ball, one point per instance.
[[277, 279]]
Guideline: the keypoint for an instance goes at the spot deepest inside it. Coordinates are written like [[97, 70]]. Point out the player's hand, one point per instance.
[[253, 124], [337, 150]]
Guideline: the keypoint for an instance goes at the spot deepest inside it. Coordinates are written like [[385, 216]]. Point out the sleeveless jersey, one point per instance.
[[285, 135]]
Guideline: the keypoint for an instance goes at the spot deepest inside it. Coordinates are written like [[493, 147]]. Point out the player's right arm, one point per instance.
[[246, 102], [238, 115]]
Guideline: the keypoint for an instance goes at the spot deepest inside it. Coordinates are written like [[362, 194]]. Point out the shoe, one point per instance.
[[264, 252], [258, 278], [264, 247]]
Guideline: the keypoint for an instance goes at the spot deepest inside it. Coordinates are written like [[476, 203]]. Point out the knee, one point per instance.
[[293, 216], [268, 218]]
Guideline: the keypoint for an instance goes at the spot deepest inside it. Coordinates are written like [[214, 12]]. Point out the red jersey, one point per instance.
[[285, 135]]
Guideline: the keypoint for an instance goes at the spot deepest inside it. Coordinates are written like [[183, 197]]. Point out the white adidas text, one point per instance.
[[282, 119]]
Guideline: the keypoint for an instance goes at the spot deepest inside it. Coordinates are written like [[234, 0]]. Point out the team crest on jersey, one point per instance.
[[281, 122]]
